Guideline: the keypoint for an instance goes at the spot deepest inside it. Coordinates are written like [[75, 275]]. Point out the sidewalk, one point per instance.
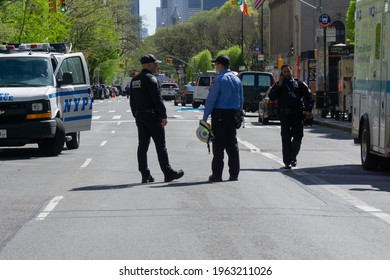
[[343, 125]]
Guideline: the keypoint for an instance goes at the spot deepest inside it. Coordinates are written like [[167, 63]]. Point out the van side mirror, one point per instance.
[[67, 79]]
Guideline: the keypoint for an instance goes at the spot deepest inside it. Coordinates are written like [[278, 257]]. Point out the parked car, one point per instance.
[[168, 90], [255, 84], [184, 96], [268, 109]]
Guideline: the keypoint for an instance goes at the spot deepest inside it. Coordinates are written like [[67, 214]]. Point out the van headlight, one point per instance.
[[37, 107]]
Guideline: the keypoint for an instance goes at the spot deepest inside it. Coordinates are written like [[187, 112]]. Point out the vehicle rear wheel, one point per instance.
[[175, 103], [183, 104], [54, 146], [75, 142], [369, 160], [195, 105]]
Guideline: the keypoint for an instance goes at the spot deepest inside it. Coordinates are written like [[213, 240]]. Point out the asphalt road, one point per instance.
[[89, 203]]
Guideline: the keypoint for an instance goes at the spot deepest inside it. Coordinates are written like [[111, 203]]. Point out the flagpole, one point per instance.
[[242, 36]]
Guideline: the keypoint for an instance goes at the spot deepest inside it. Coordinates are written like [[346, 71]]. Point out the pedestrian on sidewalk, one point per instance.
[[295, 104], [148, 109], [225, 98]]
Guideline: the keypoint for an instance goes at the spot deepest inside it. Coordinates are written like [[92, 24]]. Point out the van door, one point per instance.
[[254, 84], [201, 90], [74, 93]]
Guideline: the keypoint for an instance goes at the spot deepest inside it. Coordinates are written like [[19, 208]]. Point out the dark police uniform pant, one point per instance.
[[224, 127], [150, 127], [292, 134]]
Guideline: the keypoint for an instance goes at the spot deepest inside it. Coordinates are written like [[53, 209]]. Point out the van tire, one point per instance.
[[75, 142], [368, 159], [54, 146], [195, 105]]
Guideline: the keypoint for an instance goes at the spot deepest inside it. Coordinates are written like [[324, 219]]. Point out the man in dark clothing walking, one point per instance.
[[148, 109], [224, 99], [295, 104]]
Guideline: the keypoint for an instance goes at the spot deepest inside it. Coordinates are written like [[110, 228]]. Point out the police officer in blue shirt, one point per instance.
[[148, 109], [224, 99], [295, 103]]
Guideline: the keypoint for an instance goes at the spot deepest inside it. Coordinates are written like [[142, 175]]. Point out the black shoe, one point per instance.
[[233, 178], [294, 163], [174, 175], [213, 178], [149, 179], [287, 167]]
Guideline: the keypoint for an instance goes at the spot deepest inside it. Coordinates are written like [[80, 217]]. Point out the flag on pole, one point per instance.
[[244, 8], [258, 4]]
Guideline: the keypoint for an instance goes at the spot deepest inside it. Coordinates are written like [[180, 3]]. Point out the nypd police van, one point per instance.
[[44, 97]]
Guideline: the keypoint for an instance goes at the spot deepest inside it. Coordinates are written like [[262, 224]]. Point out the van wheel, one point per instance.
[[54, 146], [195, 105], [75, 142], [175, 103], [369, 160]]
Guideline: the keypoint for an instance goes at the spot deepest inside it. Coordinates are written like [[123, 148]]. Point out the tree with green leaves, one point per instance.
[[350, 22]]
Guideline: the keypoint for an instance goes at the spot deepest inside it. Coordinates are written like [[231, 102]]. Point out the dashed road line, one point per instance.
[[103, 143], [86, 163], [49, 208]]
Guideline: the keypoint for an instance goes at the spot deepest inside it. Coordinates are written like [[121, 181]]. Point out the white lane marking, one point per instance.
[[113, 131], [352, 200], [250, 146], [116, 117], [119, 123], [128, 111], [178, 116], [103, 143], [86, 162], [96, 117], [49, 208], [112, 111]]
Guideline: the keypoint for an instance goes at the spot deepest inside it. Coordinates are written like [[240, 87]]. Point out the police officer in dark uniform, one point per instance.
[[148, 109], [223, 101], [295, 104]]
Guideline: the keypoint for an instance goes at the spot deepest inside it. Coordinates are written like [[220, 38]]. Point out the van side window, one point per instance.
[[248, 80], [264, 82], [204, 81], [75, 66]]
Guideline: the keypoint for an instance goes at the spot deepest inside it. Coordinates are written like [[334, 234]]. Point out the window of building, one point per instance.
[[340, 31]]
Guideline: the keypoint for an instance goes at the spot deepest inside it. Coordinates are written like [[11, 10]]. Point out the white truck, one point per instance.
[[45, 97], [371, 83], [201, 89]]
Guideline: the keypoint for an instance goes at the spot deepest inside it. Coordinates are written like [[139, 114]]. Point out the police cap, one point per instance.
[[149, 58]]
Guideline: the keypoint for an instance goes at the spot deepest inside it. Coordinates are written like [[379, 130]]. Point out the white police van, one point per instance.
[[45, 97]]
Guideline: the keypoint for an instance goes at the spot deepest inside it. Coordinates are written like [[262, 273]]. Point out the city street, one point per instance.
[[89, 204]]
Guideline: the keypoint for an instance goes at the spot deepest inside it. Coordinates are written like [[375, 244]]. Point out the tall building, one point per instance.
[[169, 10]]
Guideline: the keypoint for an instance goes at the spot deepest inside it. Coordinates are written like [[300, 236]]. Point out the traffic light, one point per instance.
[[52, 6], [292, 52], [239, 2], [118, 52], [64, 8]]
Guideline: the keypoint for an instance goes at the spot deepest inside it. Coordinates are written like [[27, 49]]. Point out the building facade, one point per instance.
[[297, 38], [172, 12]]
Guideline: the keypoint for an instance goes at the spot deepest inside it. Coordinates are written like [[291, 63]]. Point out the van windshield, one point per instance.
[[25, 72]]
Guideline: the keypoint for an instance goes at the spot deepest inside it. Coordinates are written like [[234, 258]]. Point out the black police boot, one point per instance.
[[174, 175], [147, 179], [213, 178]]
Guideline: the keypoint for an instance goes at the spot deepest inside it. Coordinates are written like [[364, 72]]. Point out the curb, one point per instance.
[[346, 127]]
